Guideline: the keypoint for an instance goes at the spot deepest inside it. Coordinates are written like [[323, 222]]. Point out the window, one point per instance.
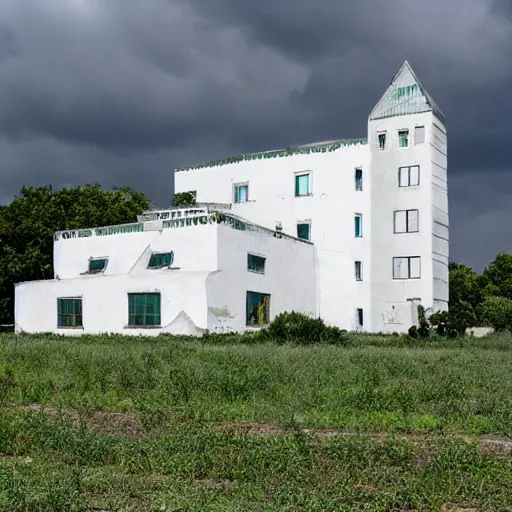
[[302, 185], [242, 193], [359, 317], [304, 231], [161, 259], [258, 308], [69, 312], [409, 176], [358, 267], [256, 263], [382, 141], [406, 221], [419, 135], [358, 225], [143, 309], [97, 265], [408, 267], [403, 138], [359, 179]]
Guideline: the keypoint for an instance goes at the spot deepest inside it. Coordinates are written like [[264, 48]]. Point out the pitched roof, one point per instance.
[[404, 96], [306, 149]]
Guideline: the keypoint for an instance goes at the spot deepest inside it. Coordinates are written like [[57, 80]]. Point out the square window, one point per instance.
[[358, 267], [403, 138], [302, 185], [256, 263], [161, 260], [241, 193], [97, 265], [304, 231], [143, 309], [409, 176], [419, 135], [69, 312], [358, 225], [406, 221], [257, 309], [382, 141], [407, 267], [359, 179]]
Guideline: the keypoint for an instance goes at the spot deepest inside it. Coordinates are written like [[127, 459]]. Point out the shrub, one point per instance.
[[496, 312], [300, 328]]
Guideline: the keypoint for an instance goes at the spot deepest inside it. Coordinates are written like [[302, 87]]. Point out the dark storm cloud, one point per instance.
[[123, 91]]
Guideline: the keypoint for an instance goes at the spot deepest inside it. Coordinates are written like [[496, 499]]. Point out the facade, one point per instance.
[[179, 271], [375, 208], [354, 231]]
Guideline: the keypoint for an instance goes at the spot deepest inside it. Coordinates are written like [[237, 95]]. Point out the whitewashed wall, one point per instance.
[[330, 208]]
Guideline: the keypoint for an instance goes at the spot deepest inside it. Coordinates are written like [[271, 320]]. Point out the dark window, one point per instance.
[[304, 231], [302, 185], [160, 260], [69, 312], [406, 221], [409, 176], [258, 308], [358, 270], [382, 141], [97, 265], [358, 225], [256, 263], [241, 193], [403, 138], [359, 314], [143, 309], [359, 179]]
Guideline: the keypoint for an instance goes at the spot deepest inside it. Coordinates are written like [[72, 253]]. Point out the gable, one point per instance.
[[405, 96]]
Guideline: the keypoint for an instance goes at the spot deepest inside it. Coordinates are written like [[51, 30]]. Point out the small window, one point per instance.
[[304, 231], [143, 309], [358, 266], [382, 141], [409, 176], [406, 221], [419, 135], [359, 179], [69, 312], [258, 309], [161, 260], [403, 138], [358, 225], [359, 317], [302, 185], [241, 193], [408, 267], [256, 263], [97, 265]]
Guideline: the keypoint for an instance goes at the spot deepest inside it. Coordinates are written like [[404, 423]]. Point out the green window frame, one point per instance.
[[242, 193], [403, 138], [144, 309], [97, 265], [69, 312], [256, 263], [161, 259], [304, 231], [302, 185], [257, 309], [358, 225]]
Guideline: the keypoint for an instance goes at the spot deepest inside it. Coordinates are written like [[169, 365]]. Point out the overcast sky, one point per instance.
[[123, 91]]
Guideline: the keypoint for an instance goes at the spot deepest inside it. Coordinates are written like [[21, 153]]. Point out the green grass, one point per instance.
[[178, 424]]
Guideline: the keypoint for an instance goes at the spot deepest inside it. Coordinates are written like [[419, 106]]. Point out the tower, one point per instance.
[[409, 205]]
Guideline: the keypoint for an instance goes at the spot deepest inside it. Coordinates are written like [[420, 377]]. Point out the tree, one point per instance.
[[496, 279], [184, 199], [496, 312], [464, 285], [28, 224]]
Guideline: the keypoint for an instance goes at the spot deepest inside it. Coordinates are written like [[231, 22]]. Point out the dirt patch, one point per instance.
[[108, 423], [495, 445]]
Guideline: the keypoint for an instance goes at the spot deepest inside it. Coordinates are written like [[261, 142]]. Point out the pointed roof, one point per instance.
[[404, 96]]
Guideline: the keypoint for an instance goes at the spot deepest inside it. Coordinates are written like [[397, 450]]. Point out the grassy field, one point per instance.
[[377, 424]]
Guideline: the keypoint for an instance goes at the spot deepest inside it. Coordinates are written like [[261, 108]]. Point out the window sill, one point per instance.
[[142, 327], [303, 195], [71, 328], [255, 272]]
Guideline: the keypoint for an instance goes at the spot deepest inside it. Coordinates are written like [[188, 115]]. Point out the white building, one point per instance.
[[354, 231]]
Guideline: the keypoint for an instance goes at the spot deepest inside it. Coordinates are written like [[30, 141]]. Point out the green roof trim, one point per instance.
[[280, 153]]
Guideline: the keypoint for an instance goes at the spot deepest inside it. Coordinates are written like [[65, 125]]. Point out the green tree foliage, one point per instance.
[[496, 279], [184, 199], [496, 312], [28, 224]]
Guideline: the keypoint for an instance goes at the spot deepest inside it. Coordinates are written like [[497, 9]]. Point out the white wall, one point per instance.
[[330, 208], [289, 277]]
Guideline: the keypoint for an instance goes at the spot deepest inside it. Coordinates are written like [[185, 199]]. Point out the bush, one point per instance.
[[496, 312], [300, 328]]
